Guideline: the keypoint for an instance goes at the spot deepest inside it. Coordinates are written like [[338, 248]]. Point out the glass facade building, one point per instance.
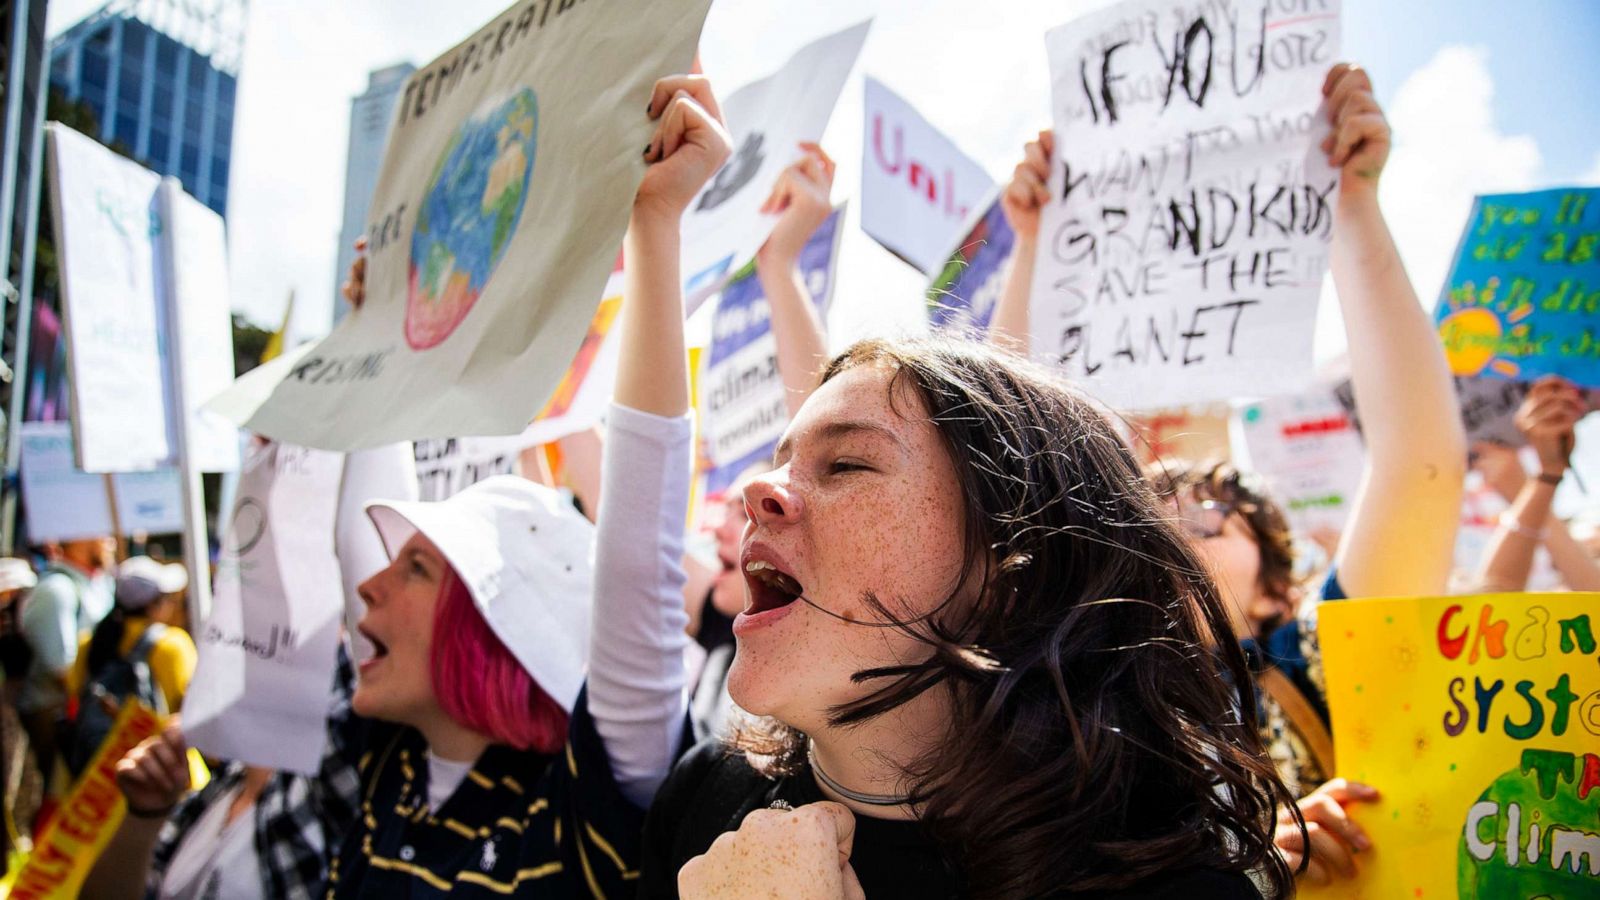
[[167, 104]]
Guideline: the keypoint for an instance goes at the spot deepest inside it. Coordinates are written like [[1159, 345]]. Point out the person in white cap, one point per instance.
[[16, 576], [142, 633], [490, 764]]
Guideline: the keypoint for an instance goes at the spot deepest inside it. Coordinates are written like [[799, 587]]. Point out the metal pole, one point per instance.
[[8, 160], [30, 248]]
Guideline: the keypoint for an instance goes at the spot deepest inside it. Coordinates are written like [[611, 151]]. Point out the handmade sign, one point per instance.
[[1194, 433], [445, 468], [767, 119], [261, 689], [72, 840], [1183, 251], [962, 296], [917, 187], [64, 503], [381, 473], [502, 198], [1488, 407], [1523, 297], [107, 219], [1308, 450], [743, 402], [1478, 720], [193, 267]]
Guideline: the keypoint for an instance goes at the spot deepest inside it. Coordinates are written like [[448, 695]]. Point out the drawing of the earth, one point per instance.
[[1534, 833], [469, 214]]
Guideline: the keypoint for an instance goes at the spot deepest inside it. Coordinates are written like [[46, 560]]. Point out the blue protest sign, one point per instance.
[[743, 405], [962, 296], [1523, 297]]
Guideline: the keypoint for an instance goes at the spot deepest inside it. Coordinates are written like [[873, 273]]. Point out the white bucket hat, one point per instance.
[[527, 558]]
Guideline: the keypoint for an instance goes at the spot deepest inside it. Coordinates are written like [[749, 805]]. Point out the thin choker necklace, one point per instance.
[[841, 790]]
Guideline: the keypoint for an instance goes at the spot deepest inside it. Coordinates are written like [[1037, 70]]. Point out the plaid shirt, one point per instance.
[[298, 818]]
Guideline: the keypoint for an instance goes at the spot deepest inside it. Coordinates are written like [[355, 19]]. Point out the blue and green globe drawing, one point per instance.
[[469, 214]]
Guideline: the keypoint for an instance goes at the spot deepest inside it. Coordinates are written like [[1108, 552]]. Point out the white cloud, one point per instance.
[[1447, 148]]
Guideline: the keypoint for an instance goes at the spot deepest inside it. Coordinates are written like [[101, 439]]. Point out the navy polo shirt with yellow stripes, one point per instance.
[[521, 823]]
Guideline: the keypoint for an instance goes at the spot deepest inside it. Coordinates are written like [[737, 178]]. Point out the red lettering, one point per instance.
[[1591, 775], [1451, 647], [893, 168]]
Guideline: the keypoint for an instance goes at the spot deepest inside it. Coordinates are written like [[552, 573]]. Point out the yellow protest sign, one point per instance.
[[89, 816], [1478, 719]]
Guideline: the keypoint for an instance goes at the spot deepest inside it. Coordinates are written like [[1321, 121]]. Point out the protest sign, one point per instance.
[[86, 820], [106, 220], [767, 119], [261, 689], [580, 400], [503, 195], [63, 503], [445, 468], [1488, 408], [1197, 434], [1478, 720], [917, 187], [1308, 450], [962, 296], [381, 473], [1523, 297], [744, 406], [1183, 251], [196, 319]]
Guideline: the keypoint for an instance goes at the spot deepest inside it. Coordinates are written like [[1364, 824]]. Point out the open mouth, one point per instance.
[[770, 587], [379, 648]]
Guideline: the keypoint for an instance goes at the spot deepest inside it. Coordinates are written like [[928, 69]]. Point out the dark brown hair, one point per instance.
[[1098, 736], [1222, 482]]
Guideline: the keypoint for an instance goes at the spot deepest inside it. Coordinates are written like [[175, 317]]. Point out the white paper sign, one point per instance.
[[1308, 450], [767, 119], [64, 503], [1182, 257], [381, 473], [504, 193], [917, 188], [446, 468], [263, 685], [106, 219], [197, 320]]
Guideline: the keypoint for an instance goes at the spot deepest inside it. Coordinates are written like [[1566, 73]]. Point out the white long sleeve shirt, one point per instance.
[[636, 639]]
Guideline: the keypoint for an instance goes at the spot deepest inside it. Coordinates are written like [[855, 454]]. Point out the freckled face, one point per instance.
[[864, 499], [396, 682]]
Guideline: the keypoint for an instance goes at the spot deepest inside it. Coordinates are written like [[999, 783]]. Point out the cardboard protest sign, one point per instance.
[[767, 119], [962, 296], [1488, 407], [195, 316], [917, 187], [63, 503], [1478, 720], [106, 221], [261, 689], [1522, 299], [742, 398], [1308, 450], [83, 825], [502, 198], [1181, 258]]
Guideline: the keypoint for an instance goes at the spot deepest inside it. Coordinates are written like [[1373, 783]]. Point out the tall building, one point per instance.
[[162, 79], [371, 114]]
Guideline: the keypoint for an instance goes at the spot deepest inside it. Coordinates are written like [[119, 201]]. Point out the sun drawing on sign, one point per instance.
[[1474, 334]]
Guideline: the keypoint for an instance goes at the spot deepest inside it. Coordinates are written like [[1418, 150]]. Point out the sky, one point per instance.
[[1483, 96]]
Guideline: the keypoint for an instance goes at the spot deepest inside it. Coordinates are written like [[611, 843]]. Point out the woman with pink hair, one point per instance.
[[490, 761]]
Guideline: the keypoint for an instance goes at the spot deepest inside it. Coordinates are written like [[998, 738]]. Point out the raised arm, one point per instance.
[[1547, 418], [1401, 536], [801, 201], [1021, 202], [636, 675]]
